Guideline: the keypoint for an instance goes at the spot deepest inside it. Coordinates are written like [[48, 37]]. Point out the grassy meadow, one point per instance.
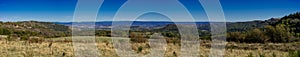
[[62, 47]]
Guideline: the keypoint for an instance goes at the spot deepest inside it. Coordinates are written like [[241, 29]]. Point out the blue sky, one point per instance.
[[62, 10]]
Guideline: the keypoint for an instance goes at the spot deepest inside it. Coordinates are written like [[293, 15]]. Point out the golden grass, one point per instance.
[[56, 47]]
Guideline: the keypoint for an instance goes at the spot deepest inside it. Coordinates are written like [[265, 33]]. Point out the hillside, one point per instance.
[[33, 28], [285, 29], [292, 20]]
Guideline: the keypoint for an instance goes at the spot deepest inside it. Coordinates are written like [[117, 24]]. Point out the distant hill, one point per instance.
[[59, 29], [292, 20], [34, 28], [136, 25], [231, 26]]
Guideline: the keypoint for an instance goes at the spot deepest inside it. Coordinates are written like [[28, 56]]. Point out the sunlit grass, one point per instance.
[[62, 47]]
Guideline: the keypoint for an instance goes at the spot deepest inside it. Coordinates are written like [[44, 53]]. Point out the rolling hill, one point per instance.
[[34, 28]]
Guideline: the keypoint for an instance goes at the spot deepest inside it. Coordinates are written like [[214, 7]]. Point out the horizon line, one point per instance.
[[131, 21]]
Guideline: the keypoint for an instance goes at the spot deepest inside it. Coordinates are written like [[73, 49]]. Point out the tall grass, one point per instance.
[[250, 55], [294, 53]]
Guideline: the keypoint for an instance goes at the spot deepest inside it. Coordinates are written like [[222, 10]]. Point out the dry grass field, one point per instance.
[[62, 47]]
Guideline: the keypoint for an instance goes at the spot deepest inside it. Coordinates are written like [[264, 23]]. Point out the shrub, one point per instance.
[[250, 36], [137, 38], [261, 55], [140, 48], [250, 55], [274, 55], [103, 33], [11, 38], [4, 31], [36, 40], [24, 37], [256, 35], [294, 53], [236, 36], [171, 34], [174, 53], [278, 33]]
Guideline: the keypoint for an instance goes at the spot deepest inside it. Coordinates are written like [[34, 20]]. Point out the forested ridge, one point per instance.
[[277, 30], [27, 29], [285, 29]]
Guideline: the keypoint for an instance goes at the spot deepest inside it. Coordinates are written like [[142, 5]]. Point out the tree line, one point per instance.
[[275, 34]]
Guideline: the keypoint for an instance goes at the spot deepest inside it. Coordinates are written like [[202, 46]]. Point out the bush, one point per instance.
[[274, 55], [24, 37], [294, 53], [171, 34], [174, 53], [236, 36], [250, 55], [261, 55], [36, 40], [278, 33], [250, 36], [9, 39], [4, 31], [140, 49], [137, 38], [103, 33], [256, 36]]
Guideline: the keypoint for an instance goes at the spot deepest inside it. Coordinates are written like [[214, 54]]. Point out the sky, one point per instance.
[[63, 10]]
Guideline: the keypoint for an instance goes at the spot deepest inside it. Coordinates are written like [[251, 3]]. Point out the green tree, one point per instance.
[[272, 33], [4, 31], [284, 33], [236, 36], [171, 34], [278, 33], [256, 35]]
